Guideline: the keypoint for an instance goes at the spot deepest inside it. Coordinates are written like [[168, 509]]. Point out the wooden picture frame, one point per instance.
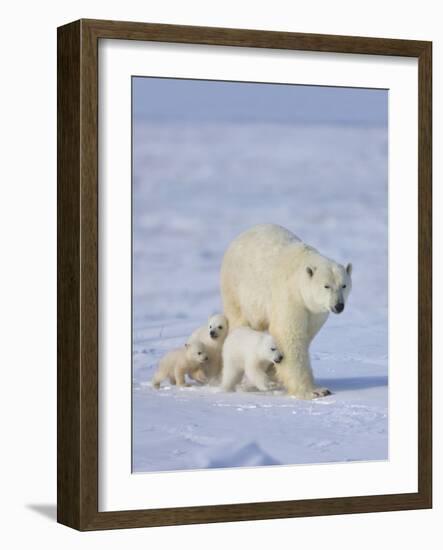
[[77, 456]]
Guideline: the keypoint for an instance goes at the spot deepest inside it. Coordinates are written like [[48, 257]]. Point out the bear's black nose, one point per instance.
[[212, 334], [279, 359], [339, 307]]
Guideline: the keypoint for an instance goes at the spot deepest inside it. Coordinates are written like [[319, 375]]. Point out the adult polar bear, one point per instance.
[[271, 280]]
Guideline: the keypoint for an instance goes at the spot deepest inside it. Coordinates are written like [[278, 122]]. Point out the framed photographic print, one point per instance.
[[244, 274]]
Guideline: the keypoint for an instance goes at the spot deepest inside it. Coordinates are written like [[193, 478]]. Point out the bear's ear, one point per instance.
[[349, 269], [310, 271]]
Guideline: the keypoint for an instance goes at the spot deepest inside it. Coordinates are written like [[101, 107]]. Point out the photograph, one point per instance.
[[259, 274]]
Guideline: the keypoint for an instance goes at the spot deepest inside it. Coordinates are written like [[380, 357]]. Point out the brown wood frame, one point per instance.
[[77, 322]]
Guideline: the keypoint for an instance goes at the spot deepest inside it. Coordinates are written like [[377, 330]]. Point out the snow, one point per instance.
[[196, 186]]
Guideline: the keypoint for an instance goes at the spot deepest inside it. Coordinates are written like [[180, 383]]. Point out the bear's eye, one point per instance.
[[327, 286], [220, 328], [344, 286], [273, 349], [199, 352]]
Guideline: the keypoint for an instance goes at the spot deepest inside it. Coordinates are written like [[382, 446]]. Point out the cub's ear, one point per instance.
[[349, 269], [310, 271]]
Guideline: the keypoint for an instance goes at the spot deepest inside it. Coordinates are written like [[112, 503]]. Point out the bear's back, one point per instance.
[[256, 252], [269, 233]]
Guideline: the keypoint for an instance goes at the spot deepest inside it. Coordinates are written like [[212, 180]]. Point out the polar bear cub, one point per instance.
[[212, 336], [176, 364], [248, 352]]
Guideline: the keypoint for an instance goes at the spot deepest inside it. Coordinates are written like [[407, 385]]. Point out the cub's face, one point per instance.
[[196, 352], [218, 327], [327, 287], [269, 350]]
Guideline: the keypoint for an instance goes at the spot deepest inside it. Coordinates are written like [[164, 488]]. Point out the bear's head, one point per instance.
[[218, 327], [326, 286], [268, 350], [196, 352]]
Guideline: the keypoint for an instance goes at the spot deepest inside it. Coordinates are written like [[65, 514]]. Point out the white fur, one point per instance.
[[271, 280], [212, 335], [249, 352], [176, 364]]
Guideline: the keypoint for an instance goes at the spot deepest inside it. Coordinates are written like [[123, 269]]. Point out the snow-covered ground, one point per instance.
[[195, 188]]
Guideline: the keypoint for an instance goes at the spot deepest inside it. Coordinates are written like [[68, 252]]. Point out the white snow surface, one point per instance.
[[195, 188]]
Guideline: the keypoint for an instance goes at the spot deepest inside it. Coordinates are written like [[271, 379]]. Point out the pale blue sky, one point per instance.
[[200, 101]]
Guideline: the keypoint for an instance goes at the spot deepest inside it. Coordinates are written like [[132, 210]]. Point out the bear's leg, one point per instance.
[[198, 375], [231, 376], [297, 378], [271, 373], [257, 376], [160, 374], [180, 377], [232, 310], [156, 381], [295, 371], [214, 371]]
